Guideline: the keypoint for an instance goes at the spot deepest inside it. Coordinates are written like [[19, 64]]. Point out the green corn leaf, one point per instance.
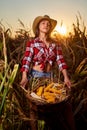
[[41, 124], [83, 73], [1, 76], [13, 74], [6, 89], [4, 78]]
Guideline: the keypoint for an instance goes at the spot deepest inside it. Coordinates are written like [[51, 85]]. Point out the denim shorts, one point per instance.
[[37, 74]]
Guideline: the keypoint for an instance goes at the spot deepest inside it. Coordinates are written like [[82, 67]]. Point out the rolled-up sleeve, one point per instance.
[[60, 59], [27, 57]]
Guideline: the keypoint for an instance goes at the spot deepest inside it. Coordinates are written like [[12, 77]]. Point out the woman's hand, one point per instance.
[[24, 80], [66, 78], [67, 82]]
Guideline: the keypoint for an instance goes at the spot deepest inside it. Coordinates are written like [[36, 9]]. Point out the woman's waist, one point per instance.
[[42, 67]]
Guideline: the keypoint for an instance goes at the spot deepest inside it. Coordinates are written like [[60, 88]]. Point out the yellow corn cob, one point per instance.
[[48, 94], [49, 86], [53, 90], [51, 100], [40, 90]]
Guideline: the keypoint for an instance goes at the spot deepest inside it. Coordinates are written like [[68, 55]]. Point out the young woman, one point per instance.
[[42, 52]]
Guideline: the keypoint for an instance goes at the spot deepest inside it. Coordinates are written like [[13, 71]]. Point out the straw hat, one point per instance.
[[40, 18]]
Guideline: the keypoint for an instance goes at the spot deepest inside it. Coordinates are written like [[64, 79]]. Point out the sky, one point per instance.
[[64, 11]]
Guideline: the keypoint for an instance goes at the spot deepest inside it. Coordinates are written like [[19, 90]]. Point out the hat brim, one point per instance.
[[39, 19]]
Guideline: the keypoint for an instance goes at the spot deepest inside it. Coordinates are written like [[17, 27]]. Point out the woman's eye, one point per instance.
[[48, 24], [43, 23]]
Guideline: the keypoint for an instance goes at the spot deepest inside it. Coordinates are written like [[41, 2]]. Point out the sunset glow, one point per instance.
[[61, 29]]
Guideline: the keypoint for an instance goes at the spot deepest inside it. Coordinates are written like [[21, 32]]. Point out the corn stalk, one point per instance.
[[7, 77], [4, 49], [8, 85]]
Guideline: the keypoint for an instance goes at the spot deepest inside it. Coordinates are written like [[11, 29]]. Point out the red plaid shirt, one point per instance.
[[38, 53]]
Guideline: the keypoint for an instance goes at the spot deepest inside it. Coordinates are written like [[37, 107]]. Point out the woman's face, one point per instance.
[[44, 26]]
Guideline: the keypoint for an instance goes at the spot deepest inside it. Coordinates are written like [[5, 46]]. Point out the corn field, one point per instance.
[[14, 105]]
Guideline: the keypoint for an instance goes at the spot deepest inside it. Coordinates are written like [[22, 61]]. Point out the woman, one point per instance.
[[42, 52]]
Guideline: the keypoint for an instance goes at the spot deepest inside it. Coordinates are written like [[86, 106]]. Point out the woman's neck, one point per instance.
[[42, 37], [45, 40]]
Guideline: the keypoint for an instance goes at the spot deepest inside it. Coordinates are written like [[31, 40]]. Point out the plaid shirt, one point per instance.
[[38, 53]]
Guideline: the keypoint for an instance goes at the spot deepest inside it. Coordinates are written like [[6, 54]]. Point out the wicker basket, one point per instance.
[[42, 110], [42, 102]]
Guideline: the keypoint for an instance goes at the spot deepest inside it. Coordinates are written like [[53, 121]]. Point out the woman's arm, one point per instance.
[[62, 66], [26, 63], [66, 78]]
